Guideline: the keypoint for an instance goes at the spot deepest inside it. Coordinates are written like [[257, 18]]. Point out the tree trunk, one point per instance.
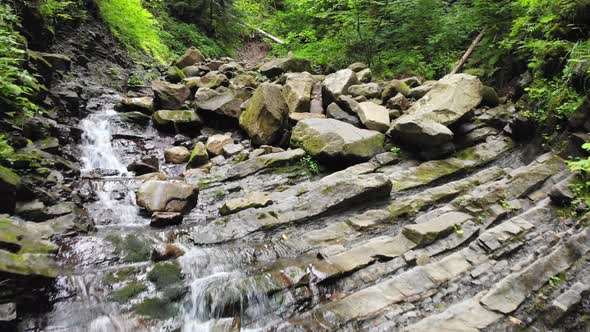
[[468, 53]]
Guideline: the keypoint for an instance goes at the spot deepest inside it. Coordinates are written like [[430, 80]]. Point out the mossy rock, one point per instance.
[[127, 292], [156, 308], [165, 274], [121, 275], [131, 248]]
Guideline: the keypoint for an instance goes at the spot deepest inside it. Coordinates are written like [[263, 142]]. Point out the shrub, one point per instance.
[[16, 83], [135, 27]]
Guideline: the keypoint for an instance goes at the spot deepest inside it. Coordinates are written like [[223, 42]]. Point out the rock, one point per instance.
[[358, 67], [399, 102], [216, 143], [335, 112], [189, 58], [232, 149], [177, 155], [33, 210], [334, 141], [169, 96], [297, 91], [266, 161], [451, 99], [9, 183], [566, 302], [153, 176], [212, 80], [225, 104], [177, 120], [251, 200], [39, 127], [412, 82], [215, 64], [348, 104], [364, 76], [7, 312], [135, 118], [369, 90], [230, 68], [244, 81], [144, 166], [199, 156], [280, 66], [296, 117], [316, 107], [162, 196], [422, 133], [144, 105], [521, 127], [393, 88], [489, 96], [59, 62], [427, 232], [165, 219], [337, 84], [266, 118], [193, 71], [561, 194], [166, 251], [174, 75], [374, 117], [421, 91]]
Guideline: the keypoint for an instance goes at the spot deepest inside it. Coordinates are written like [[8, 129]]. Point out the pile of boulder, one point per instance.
[[339, 119]]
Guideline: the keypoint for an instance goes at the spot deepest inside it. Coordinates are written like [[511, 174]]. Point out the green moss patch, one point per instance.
[[165, 274], [126, 293]]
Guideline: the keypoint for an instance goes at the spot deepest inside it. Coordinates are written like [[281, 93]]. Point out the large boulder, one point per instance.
[[144, 105], [297, 91], [169, 96], [336, 142], [189, 58], [225, 104], [369, 90], [337, 84], [425, 124], [267, 115], [163, 196], [280, 66], [373, 116], [177, 155], [335, 112], [216, 143], [173, 120], [212, 80]]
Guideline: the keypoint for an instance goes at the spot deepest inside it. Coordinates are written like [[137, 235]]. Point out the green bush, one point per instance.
[[16, 83], [135, 27]]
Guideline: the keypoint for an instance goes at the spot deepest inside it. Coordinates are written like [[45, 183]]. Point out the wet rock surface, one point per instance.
[[298, 223]]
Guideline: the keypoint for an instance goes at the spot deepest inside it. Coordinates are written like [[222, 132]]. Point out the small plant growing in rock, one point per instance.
[[311, 164], [555, 281], [506, 205], [458, 229], [134, 80], [395, 150]]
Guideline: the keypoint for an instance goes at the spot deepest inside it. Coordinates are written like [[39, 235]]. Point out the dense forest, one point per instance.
[[290, 165]]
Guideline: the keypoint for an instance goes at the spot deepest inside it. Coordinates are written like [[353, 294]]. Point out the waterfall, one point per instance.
[[98, 153]]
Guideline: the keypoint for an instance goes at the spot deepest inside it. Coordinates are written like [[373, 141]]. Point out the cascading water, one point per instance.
[[98, 154]]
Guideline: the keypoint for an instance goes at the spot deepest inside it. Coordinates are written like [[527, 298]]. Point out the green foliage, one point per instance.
[[16, 83], [135, 27], [396, 150], [312, 166], [54, 11], [458, 229], [581, 188]]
